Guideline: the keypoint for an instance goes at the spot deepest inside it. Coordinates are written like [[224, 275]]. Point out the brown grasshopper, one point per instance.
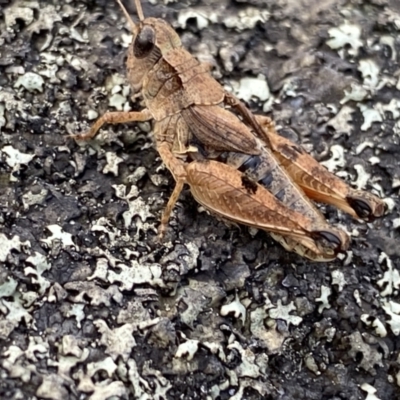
[[235, 163]]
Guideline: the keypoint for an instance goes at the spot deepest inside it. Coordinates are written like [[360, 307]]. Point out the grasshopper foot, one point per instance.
[[161, 233]]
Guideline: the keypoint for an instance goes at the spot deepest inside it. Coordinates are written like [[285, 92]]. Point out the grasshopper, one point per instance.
[[235, 163]]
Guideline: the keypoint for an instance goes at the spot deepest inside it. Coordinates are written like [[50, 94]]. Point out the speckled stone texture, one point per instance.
[[92, 306]]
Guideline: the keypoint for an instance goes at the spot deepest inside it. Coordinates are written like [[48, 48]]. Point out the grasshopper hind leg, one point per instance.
[[317, 182]]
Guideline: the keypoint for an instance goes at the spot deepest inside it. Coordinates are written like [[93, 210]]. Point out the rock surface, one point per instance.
[[93, 307]]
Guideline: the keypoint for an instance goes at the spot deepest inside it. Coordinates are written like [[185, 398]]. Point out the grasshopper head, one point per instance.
[[152, 38]]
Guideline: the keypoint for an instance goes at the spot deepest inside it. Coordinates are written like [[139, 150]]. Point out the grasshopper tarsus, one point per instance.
[[170, 205]]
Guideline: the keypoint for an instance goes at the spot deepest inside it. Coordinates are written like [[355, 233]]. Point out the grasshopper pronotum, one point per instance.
[[238, 168]]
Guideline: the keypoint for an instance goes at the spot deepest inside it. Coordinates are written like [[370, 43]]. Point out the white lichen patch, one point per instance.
[[14, 312], [137, 207], [283, 312], [370, 73], [30, 199], [246, 19], [118, 92], [17, 11], [194, 303], [371, 356], [6, 245], [97, 295], [393, 310], [187, 349], [9, 101], [390, 203], [76, 311], [160, 383], [47, 17], [70, 346], [15, 158], [114, 83], [139, 384], [396, 223], [370, 390], [215, 348], [362, 146], [271, 338], [375, 323], [52, 387], [137, 174], [58, 236], [202, 18], [260, 387], [337, 160], [248, 367], [192, 255], [92, 114], [235, 308], [119, 342], [392, 107], [249, 88], [50, 72], [324, 298], [108, 389], [370, 116], [119, 102], [363, 177], [338, 279], [7, 288], [346, 34], [356, 93], [15, 362], [104, 225], [341, 122], [112, 163], [107, 364], [391, 277], [31, 82], [357, 297], [65, 362], [136, 274], [40, 265], [2, 116]]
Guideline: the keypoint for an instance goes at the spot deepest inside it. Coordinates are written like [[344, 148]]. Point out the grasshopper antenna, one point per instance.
[[139, 10], [128, 17]]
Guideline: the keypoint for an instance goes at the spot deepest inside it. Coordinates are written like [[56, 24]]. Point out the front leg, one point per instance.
[[118, 117]]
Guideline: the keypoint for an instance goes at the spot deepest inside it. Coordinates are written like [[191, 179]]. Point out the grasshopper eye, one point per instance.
[[144, 42]]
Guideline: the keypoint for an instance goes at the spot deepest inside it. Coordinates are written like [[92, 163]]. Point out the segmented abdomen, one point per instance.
[[265, 170]]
